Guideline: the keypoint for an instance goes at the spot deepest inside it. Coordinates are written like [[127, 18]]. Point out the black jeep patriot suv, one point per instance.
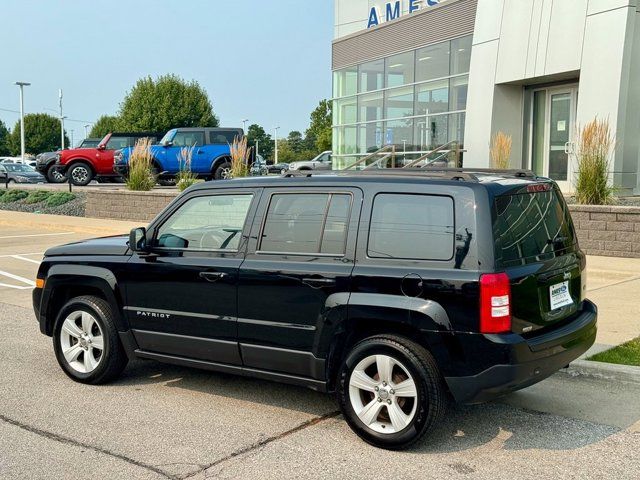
[[395, 289]]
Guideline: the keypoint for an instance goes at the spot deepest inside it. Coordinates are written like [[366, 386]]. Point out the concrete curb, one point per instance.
[[608, 371]]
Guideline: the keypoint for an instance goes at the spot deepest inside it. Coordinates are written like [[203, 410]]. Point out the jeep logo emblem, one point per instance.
[[567, 275]]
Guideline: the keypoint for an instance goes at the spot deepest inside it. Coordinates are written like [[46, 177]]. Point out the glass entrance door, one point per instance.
[[553, 131]]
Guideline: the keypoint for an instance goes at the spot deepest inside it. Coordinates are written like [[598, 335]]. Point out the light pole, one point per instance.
[[71, 145], [275, 130], [244, 125], [62, 132], [22, 85], [86, 130]]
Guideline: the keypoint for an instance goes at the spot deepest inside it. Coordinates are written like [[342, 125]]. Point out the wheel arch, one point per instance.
[[65, 282], [76, 160], [215, 163]]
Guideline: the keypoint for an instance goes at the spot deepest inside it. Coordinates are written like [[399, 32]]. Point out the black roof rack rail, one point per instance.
[[454, 174], [514, 172]]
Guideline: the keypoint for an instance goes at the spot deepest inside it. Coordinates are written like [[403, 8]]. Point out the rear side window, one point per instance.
[[223, 136], [531, 226], [416, 227], [307, 223]]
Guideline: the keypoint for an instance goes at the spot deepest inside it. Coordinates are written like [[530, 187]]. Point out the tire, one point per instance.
[[163, 182], [81, 174], [422, 407], [92, 317], [55, 176], [222, 171]]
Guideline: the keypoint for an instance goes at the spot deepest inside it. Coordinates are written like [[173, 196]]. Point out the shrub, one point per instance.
[[239, 157], [500, 150], [59, 198], [595, 145], [11, 196], [141, 176], [185, 177], [37, 196]]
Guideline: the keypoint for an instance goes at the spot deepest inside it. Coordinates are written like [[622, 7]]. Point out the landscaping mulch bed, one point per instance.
[[618, 201], [73, 208]]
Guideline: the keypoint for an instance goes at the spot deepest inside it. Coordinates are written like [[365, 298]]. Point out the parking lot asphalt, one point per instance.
[[162, 421]]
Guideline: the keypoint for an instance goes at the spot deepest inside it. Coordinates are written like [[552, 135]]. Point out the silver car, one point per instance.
[[321, 162]]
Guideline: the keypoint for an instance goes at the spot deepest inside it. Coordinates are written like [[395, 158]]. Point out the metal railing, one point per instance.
[[389, 150], [445, 151]]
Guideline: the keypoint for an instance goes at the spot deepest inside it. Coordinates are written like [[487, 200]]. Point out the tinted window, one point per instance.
[[411, 226], [116, 143], [307, 223], [188, 139], [206, 223], [223, 136], [531, 226]]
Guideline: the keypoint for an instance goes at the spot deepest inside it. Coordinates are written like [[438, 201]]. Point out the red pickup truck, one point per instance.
[[84, 164]]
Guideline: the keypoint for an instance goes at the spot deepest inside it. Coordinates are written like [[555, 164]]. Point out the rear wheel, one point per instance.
[[223, 171], [390, 391], [54, 175], [80, 174], [86, 343]]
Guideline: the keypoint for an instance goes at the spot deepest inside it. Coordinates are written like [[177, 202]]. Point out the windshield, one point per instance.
[[16, 167], [530, 227], [168, 136]]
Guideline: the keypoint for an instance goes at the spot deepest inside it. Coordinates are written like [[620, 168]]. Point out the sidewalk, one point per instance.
[[612, 283]]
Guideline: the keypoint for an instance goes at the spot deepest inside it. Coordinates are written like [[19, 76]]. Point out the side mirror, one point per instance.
[[138, 239], [167, 144], [101, 147]]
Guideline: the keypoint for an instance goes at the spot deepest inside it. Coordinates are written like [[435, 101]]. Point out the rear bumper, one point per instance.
[[534, 359]]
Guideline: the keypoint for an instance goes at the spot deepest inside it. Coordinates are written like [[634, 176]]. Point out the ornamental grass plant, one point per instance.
[[185, 177], [239, 157], [141, 177], [593, 155], [500, 150]]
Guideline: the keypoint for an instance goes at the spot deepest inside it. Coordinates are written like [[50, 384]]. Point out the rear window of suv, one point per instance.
[[413, 227], [529, 227]]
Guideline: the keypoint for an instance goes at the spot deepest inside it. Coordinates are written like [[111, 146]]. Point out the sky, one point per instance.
[[267, 61]]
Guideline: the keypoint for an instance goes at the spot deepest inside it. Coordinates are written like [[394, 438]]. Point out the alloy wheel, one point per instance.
[[82, 341], [383, 394], [80, 174]]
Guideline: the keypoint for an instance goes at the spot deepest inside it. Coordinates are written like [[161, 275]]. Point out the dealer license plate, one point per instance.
[[559, 295]]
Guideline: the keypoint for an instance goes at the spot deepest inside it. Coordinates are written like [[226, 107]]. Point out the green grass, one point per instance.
[[59, 198], [625, 354], [11, 196], [37, 196]]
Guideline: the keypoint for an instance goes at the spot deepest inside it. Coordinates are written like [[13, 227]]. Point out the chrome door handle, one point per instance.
[[212, 276]]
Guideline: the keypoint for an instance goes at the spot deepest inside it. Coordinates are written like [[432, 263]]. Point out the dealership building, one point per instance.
[[419, 74]]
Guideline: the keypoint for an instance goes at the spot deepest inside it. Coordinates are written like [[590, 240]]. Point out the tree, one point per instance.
[[41, 132], [320, 126], [255, 133], [105, 124], [4, 137], [166, 103], [296, 142]]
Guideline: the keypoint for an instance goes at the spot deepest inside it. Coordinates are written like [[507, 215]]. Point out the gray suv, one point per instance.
[[321, 162]]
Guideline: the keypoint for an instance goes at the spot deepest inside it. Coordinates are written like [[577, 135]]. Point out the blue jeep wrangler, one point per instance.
[[211, 154]]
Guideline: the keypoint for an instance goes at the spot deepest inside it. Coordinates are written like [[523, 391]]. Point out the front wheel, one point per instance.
[[54, 175], [390, 391], [80, 174], [86, 342]]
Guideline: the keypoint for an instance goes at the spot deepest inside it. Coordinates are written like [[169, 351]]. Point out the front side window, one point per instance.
[[415, 227], [306, 223], [188, 139], [117, 143], [206, 223]]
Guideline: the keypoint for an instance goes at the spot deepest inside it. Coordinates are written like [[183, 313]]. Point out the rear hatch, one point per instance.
[[536, 245]]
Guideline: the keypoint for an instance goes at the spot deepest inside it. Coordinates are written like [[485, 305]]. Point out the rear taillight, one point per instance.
[[495, 303]]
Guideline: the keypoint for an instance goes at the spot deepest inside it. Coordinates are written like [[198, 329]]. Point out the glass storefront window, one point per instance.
[[432, 62], [345, 110], [371, 76], [431, 132], [399, 69], [432, 97], [398, 102], [371, 137], [458, 93], [370, 106], [344, 140], [345, 82], [460, 55], [456, 128], [400, 134]]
